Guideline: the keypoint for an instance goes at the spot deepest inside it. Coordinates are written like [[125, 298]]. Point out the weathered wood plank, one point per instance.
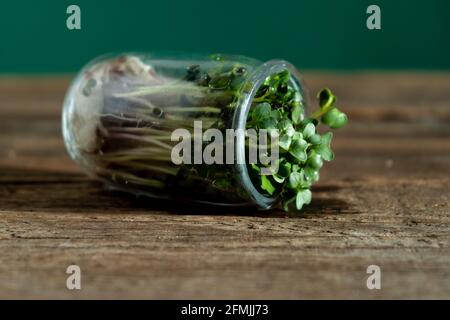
[[384, 201]]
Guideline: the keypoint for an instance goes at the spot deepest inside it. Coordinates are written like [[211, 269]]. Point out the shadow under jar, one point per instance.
[[121, 111]]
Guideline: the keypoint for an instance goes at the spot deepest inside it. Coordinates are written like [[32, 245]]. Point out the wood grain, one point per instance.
[[384, 201]]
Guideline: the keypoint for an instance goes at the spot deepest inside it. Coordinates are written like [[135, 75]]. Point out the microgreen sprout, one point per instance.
[[135, 121], [302, 147]]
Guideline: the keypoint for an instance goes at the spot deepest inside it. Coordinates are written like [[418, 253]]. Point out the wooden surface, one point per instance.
[[384, 201]]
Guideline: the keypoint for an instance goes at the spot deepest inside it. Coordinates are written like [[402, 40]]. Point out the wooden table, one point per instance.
[[384, 201]]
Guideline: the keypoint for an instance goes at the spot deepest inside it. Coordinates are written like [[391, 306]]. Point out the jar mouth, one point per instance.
[[255, 80]]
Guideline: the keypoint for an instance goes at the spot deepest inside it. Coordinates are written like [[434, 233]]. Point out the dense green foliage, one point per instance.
[[302, 148]]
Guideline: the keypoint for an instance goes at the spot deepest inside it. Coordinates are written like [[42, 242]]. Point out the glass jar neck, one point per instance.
[[253, 83]]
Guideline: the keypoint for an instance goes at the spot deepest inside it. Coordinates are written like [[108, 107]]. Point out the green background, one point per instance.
[[313, 34]]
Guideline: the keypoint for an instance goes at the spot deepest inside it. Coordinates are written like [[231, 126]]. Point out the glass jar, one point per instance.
[[121, 112]]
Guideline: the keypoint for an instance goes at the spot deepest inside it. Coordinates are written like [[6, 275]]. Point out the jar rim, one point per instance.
[[244, 103]]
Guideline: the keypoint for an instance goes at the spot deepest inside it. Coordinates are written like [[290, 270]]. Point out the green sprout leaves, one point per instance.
[[261, 111], [303, 197], [285, 142], [302, 148], [315, 161], [309, 130], [329, 114], [324, 148], [295, 180], [326, 98], [212, 94], [335, 119], [296, 114], [298, 148], [267, 185]]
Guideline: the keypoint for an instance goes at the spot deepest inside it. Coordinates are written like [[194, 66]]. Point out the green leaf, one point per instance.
[[261, 111], [283, 124], [290, 131], [268, 123], [312, 175], [326, 98], [309, 130], [296, 114], [298, 149], [267, 185], [305, 183], [326, 153], [295, 179], [309, 120], [286, 127], [335, 119], [276, 114], [324, 148], [326, 139], [297, 98], [303, 197], [285, 142], [315, 139], [284, 168], [284, 76], [315, 161], [297, 136]]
